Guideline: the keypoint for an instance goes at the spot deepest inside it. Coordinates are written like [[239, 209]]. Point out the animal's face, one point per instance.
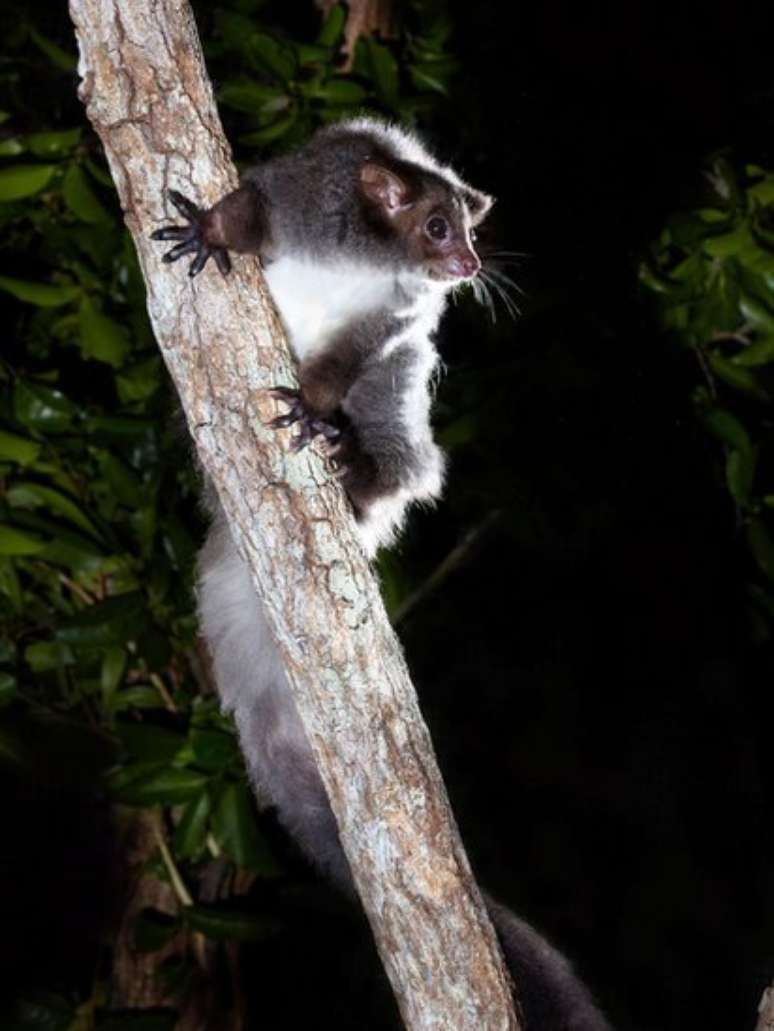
[[434, 221]]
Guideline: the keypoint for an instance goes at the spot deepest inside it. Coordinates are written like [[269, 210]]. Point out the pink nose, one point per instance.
[[464, 265]]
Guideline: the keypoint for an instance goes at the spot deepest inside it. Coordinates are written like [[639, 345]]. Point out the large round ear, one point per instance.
[[478, 205], [383, 187]]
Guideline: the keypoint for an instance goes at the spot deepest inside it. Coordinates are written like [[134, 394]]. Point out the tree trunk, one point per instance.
[[147, 94]]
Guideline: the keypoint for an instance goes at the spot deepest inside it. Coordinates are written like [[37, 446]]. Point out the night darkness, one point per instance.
[[599, 708], [600, 712]]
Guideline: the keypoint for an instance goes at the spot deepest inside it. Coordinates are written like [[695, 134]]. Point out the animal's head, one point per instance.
[[432, 217]]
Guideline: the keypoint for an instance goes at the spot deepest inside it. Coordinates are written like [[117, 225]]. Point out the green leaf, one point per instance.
[[61, 58], [47, 655], [53, 144], [727, 427], [44, 295], [99, 173], [223, 924], [81, 199], [424, 78], [115, 620], [119, 428], [276, 57], [653, 281], [233, 823], [763, 192], [114, 661], [213, 749], [43, 408], [712, 215], [757, 313], [759, 353], [166, 786], [140, 381], [122, 482], [102, 337], [19, 542], [191, 831], [18, 181], [26, 494], [150, 743], [332, 29], [253, 97], [312, 56], [727, 244], [273, 132], [740, 473], [18, 449], [11, 588], [384, 70], [11, 147], [340, 91], [735, 375], [139, 696], [761, 546], [74, 552]]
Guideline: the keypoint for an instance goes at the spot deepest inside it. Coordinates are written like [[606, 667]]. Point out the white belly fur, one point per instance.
[[316, 302]]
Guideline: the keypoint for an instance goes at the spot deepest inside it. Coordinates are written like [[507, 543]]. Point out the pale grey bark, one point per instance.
[[147, 94]]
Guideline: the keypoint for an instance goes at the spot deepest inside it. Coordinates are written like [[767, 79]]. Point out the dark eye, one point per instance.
[[473, 235], [437, 227]]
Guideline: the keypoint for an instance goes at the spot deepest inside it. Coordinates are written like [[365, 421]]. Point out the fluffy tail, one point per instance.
[[551, 996], [252, 685]]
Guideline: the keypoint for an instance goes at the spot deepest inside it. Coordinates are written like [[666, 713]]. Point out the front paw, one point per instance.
[[191, 238], [310, 425]]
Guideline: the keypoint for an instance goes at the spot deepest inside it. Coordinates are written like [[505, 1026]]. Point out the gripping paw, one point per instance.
[[310, 425], [191, 238]]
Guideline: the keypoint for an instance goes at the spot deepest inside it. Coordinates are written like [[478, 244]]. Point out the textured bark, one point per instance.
[[148, 96]]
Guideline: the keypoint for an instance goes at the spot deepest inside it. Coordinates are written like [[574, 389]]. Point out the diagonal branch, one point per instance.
[[147, 94]]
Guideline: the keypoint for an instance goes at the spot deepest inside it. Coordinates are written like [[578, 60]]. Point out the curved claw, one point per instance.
[[285, 394], [186, 207], [190, 238], [304, 438], [171, 233], [202, 255], [186, 247], [310, 425], [283, 421], [222, 260], [325, 429]]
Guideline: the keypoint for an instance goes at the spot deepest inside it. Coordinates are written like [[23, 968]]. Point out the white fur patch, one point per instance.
[[316, 301]]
